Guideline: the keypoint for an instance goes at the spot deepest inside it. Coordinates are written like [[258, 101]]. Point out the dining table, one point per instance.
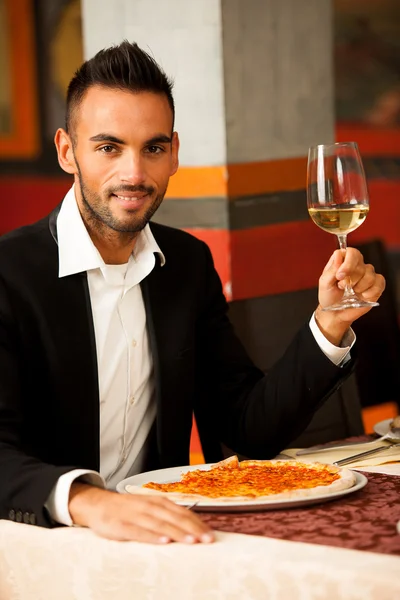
[[347, 548]]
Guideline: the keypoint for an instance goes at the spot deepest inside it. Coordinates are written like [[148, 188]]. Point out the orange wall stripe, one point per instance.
[[249, 179], [244, 179], [198, 182], [23, 142]]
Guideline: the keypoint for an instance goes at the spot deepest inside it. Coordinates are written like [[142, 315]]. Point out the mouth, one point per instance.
[[131, 200]]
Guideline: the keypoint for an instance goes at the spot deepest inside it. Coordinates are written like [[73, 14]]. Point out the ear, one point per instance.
[[175, 153], [65, 152]]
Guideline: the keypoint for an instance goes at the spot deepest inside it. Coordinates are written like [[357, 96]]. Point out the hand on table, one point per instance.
[[125, 517], [365, 281]]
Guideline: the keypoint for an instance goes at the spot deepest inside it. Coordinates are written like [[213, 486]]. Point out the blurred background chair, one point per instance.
[[266, 326], [372, 393], [378, 335]]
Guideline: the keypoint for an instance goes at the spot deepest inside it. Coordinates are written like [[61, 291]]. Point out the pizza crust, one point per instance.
[[346, 480]]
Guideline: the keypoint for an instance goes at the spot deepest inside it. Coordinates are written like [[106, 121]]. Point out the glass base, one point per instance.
[[351, 302]]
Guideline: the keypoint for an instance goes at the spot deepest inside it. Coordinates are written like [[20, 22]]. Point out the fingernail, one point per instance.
[[206, 538], [164, 539], [189, 539], [340, 275]]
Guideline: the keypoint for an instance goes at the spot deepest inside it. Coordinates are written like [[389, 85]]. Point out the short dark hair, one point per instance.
[[123, 67]]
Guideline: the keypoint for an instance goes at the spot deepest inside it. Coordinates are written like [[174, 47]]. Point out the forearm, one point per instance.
[[83, 500], [280, 405]]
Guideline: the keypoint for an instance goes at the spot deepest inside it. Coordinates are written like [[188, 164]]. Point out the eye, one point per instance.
[[107, 149], [154, 149]]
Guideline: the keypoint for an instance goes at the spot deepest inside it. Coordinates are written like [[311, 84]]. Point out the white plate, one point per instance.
[[174, 474], [382, 427]]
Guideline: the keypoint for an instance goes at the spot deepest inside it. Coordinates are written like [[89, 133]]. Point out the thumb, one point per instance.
[[332, 266]]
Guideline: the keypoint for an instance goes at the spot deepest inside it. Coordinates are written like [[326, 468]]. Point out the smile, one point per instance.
[[129, 198]]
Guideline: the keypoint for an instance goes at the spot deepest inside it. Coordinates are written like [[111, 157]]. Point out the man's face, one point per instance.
[[125, 153]]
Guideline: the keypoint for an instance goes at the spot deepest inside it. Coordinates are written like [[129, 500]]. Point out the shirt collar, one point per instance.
[[76, 251]]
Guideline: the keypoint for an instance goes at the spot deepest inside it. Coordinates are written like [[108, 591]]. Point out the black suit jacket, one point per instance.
[[49, 397]]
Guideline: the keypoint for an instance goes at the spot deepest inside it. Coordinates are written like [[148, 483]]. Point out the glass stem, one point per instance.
[[348, 290]]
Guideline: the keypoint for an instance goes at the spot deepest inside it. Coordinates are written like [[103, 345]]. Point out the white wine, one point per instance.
[[340, 219]]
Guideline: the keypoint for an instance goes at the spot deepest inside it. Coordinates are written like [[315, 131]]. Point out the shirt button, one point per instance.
[[134, 343], [132, 400]]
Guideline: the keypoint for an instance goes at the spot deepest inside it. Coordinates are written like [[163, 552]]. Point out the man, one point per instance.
[[113, 331]]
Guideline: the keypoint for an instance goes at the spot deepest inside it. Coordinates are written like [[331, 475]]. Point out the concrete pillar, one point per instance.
[[253, 89]]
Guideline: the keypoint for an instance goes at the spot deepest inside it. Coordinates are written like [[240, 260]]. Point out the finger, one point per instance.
[[375, 290], [127, 532], [169, 530], [122, 531], [353, 263], [328, 277], [181, 511], [163, 509], [183, 522], [366, 281]]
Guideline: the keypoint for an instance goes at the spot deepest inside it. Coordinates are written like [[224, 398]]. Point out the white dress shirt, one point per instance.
[[125, 366]]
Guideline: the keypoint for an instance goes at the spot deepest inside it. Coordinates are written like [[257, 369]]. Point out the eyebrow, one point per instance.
[[159, 138], [106, 137]]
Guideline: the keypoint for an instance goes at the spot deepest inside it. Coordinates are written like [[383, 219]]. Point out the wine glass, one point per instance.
[[337, 200]]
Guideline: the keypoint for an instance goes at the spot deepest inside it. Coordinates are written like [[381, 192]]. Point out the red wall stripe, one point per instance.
[[219, 242], [24, 200], [372, 141], [254, 262], [290, 256]]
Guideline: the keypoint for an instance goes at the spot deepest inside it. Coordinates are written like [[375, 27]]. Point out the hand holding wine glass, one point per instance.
[[338, 202]]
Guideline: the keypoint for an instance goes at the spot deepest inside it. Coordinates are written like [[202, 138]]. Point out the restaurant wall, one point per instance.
[[263, 243], [42, 46]]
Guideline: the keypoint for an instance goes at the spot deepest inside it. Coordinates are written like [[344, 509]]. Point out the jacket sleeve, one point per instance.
[[25, 481], [253, 413]]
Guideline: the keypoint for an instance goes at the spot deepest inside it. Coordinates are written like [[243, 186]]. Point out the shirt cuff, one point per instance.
[[58, 500], [339, 355]]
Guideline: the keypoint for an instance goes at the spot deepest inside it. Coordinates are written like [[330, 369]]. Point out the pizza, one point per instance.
[[252, 480]]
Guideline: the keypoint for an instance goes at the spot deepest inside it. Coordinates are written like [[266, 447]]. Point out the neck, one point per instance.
[[115, 248]]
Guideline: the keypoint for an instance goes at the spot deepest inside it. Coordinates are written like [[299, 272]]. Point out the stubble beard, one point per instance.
[[100, 218]]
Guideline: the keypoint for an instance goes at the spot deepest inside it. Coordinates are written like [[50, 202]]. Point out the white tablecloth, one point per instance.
[[74, 564]]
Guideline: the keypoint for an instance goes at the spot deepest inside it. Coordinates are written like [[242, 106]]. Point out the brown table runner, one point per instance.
[[365, 520]]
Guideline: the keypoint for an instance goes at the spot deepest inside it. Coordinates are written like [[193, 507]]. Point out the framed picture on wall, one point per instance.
[[19, 136], [367, 74], [40, 49]]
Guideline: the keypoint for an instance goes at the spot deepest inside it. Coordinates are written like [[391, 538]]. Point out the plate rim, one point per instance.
[[382, 427], [360, 483]]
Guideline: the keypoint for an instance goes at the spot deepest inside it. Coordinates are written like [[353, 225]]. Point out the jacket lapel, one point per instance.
[[166, 334], [68, 306]]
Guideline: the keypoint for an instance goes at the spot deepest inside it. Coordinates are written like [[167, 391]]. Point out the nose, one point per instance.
[[132, 169]]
